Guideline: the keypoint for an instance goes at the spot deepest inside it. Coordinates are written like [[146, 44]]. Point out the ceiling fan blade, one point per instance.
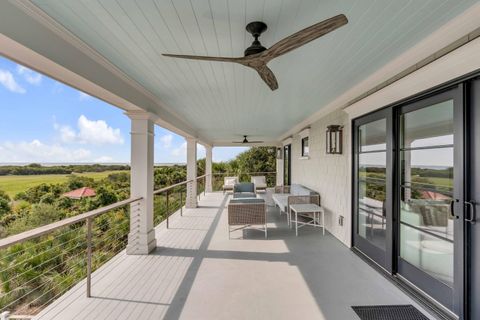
[[267, 75], [304, 36], [206, 58]]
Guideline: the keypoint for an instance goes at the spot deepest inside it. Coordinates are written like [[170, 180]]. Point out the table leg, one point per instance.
[[323, 222], [296, 224], [289, 217]]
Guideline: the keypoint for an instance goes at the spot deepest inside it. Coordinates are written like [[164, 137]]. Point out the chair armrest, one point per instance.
[[315, 199]]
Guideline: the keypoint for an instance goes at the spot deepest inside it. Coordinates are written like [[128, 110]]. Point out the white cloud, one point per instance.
[[36, 151], [84, 96], [29, 75], [166, 141], [104, 159], [67, 134], [96, 132], [8, 81], [180, 151]]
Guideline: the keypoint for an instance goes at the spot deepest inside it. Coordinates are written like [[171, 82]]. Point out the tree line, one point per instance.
[[37, 169]]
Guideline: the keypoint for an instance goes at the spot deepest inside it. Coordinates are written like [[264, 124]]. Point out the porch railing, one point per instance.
[[170, 199], [39, 265]]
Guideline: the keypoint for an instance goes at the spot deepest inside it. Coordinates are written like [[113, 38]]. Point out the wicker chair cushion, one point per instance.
[[244, 187]]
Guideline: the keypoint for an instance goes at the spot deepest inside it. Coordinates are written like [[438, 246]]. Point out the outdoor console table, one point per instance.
[[304, 209]]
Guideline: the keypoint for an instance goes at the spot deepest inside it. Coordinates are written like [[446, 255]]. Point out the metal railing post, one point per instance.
[[198, 193], [167, 210], [89, 257], [181, 200], [204, 185]]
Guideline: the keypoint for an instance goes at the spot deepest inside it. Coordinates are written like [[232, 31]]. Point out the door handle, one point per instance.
[[452, 208], [472, 215]]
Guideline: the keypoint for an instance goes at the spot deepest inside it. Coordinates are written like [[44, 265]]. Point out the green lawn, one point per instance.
[[15, 184]]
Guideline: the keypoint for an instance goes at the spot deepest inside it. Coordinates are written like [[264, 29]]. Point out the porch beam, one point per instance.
[[279, 169], [191, 201], [141, 238], [208, 168]]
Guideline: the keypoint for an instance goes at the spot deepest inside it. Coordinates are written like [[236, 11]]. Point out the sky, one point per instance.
[[46, 121]]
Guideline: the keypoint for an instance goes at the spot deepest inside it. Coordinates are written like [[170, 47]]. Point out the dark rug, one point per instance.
[[385, 312]]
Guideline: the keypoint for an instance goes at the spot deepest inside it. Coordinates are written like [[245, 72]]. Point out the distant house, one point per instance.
[[431, 195], [80, 193]]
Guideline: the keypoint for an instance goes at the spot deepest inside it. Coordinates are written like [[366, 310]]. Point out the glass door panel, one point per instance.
[[428, 190], [372, 170]]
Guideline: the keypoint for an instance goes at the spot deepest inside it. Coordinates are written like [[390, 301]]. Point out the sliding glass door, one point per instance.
[[373, 171], [409, 184], [430, 193]]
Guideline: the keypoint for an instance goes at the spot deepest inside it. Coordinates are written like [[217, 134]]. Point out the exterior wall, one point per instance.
[[328, 174]]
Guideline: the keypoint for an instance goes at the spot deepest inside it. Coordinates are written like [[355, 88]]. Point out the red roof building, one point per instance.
[[80, 193], [431, 195]]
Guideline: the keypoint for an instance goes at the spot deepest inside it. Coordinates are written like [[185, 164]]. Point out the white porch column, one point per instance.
[[191, 201], [141, 239], [279, 172], [208, 169]]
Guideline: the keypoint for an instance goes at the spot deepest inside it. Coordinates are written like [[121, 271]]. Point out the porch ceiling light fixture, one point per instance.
[[334, 139], [279, 153]]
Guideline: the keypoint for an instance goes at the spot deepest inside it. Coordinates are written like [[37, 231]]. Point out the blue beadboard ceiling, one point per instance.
[[223, 101]]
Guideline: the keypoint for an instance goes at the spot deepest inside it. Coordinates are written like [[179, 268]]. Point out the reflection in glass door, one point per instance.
[[372, 218], [430, 188]]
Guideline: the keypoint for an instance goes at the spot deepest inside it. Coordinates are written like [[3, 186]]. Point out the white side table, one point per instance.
[[303, 210]]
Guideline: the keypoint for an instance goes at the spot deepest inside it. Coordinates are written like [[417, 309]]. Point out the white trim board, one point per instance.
[[462, 61]]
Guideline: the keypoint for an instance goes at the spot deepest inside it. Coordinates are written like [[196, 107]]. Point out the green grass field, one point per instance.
[[15, 184]]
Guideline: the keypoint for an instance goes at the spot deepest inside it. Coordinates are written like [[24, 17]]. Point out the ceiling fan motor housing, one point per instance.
[[256, 28]]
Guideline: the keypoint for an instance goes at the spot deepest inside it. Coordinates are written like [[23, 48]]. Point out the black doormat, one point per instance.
[[386, 312]]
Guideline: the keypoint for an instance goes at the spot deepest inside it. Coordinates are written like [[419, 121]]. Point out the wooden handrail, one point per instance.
[[34, 233]]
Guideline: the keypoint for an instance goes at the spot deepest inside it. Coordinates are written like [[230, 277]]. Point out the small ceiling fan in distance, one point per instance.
[[246, 141], [257, 56]]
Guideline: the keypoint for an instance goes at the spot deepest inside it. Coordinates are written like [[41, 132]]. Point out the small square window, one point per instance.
[[305, 147]]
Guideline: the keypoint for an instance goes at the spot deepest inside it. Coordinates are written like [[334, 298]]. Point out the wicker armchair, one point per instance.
[[245, 213], [260, 182], [229, 183]]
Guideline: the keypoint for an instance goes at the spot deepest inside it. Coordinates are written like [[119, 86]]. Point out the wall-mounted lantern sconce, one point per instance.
[[279, 153], [334, 142]]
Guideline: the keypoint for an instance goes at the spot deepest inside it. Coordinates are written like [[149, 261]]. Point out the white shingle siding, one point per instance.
[[327, 174]]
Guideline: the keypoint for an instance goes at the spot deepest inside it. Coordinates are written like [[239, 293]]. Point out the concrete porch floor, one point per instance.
[[197, 273]]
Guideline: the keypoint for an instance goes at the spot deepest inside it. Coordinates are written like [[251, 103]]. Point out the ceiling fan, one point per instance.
[[257, 56], [245, 140]]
